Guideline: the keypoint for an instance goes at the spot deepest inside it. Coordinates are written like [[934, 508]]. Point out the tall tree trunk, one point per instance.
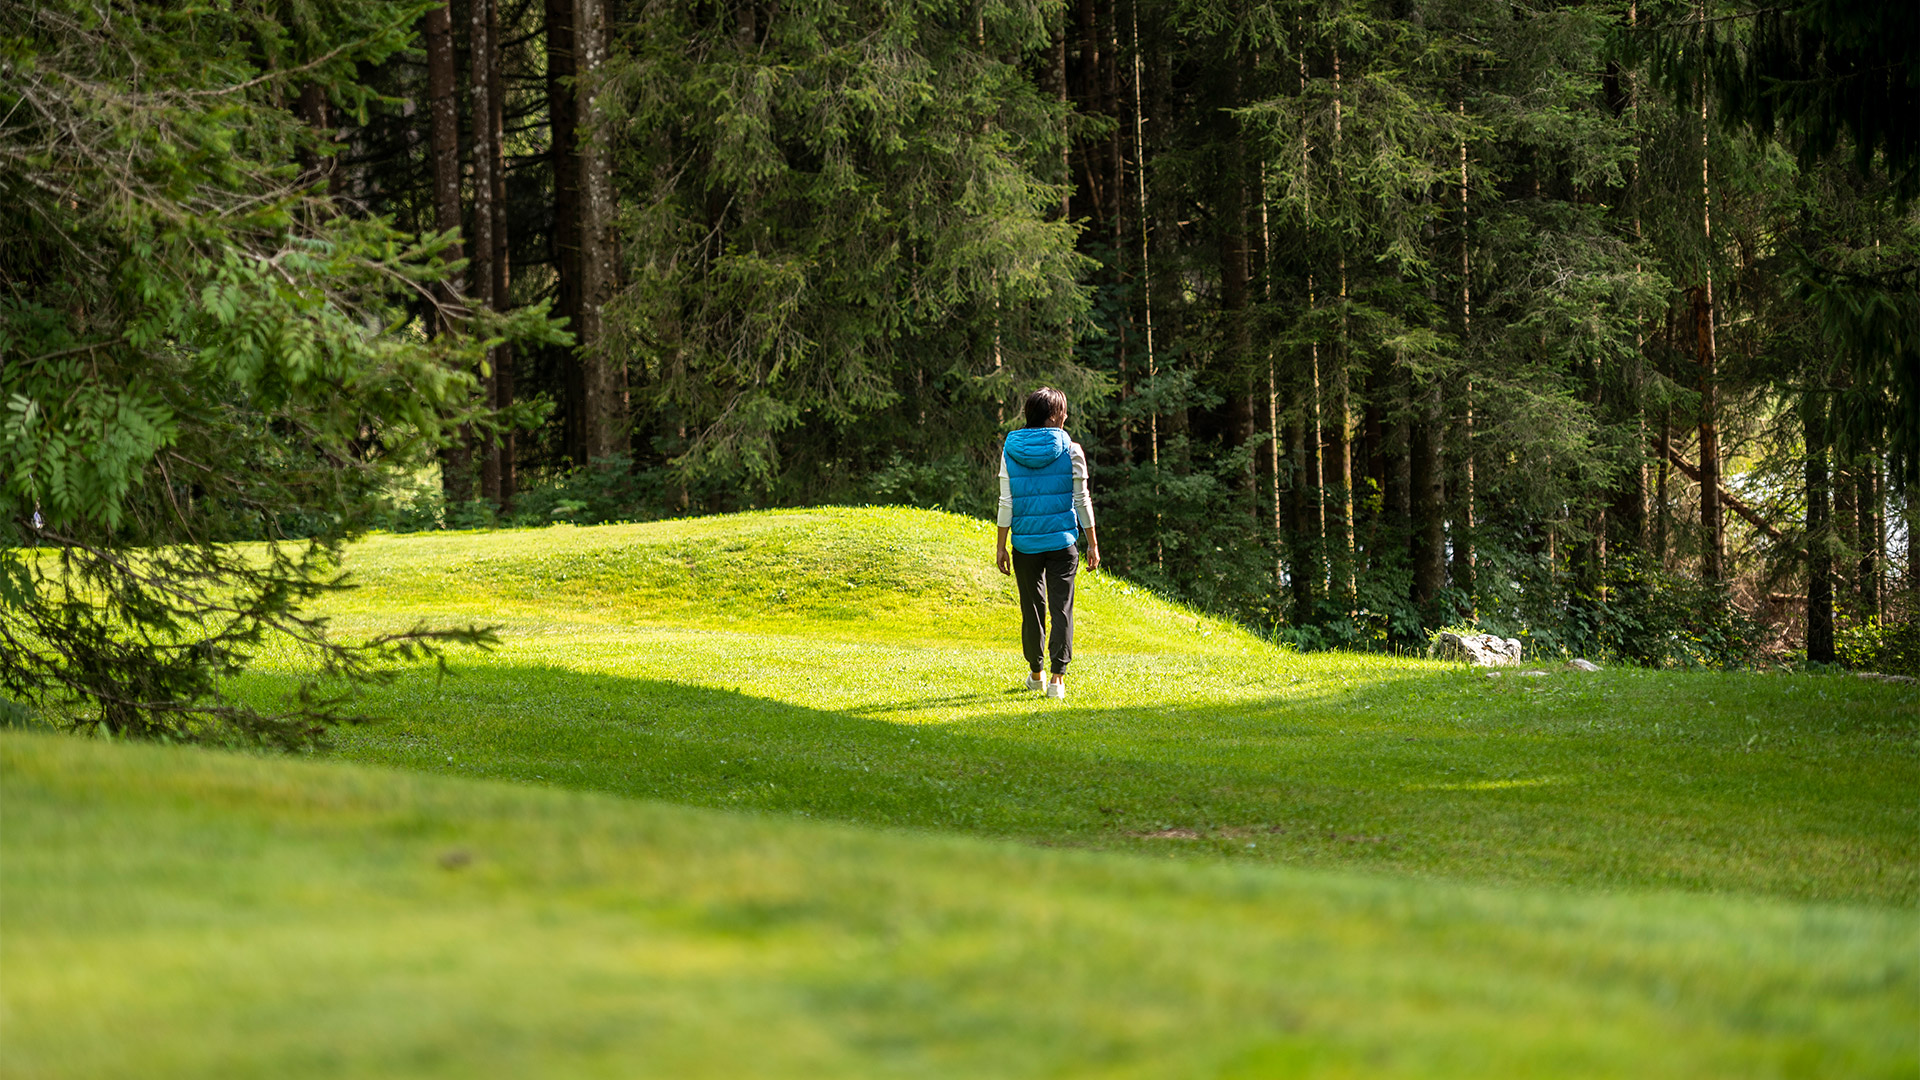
[[1117, 220], [1339, 500], [1910, 512], [312, 106], [1395, 451], [1873, 541], [1303, 568], [1317, 459], [480, 70], [1588, 559], [1272, 388], [1428, 543], [1110, 106], [1663, 466], [1630, 513], [563, 122], [1843, 521], [1060, 95], [1627, 517], [1273, 454], [1235, 271], [1308, 530], [1339, 494], [1819, 557], [602, 378], [503, 454], [1092, 159], [444, 114], [1463, 508], [1373, 465], [1304, 551], [1311, 531], [456, 459], [1712, 521], [1146, 265]]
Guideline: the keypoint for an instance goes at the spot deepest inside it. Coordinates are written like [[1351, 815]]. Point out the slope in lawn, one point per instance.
[[181, 913], [851, 574], [659, 661]]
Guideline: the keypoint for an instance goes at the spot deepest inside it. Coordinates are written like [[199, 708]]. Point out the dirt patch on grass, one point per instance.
[[1241, 832]]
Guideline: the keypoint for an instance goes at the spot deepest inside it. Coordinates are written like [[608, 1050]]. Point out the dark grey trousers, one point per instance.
[[1044, 583]]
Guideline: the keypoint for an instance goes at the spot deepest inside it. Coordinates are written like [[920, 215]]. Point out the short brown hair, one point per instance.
[[1044, 406]]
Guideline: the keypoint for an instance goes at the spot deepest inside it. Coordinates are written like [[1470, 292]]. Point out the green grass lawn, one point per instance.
[[1285, 864], [179, 913]]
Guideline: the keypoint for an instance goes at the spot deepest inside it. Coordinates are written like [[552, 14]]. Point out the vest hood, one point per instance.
[[1036, 448]]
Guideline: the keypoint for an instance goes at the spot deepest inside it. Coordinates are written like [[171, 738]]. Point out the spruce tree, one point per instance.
[[197, 346]]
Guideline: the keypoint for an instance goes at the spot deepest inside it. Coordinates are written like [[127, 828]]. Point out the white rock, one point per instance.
[[1583, 665], [1483, 650]]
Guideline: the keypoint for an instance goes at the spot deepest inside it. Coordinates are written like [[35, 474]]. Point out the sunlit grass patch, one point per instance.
[[887, 574]]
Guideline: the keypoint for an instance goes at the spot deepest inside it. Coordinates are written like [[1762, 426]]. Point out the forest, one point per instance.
[[1591, 322]]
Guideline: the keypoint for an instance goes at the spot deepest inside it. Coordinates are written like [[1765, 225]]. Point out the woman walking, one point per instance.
[[1044, 505]]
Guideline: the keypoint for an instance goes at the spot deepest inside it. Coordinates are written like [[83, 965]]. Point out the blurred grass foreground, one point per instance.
[[760, 796]]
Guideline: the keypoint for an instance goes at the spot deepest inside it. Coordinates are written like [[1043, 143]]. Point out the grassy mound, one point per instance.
[[849, 574], [179, 913]]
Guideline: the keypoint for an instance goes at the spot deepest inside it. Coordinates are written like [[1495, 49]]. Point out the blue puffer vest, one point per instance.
[[1040, 476]]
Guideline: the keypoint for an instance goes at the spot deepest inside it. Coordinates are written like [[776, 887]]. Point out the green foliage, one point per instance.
[[14, 715], [1890, 647], [1826, 79], [1866, 298], [949, 483], [606, 491], [840, 243], [1823, 74], [1649, 616], [1189, 528], [198, 346]]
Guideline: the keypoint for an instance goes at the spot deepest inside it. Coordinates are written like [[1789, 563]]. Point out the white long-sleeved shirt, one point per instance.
[[1082, 502]]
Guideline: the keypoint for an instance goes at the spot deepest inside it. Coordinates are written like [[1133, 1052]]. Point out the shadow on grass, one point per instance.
[[944, 700], [1383, 777]]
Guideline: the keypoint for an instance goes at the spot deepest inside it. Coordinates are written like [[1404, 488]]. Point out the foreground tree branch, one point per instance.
[[174, 285]]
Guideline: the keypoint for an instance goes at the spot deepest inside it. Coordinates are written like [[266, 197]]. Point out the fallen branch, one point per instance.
[[1733, 501]]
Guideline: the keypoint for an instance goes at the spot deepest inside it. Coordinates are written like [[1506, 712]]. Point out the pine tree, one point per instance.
[[818, 230], [199, 347]]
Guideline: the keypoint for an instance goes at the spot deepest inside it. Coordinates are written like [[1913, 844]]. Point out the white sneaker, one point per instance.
[[1057, 690], [1036, 684]]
